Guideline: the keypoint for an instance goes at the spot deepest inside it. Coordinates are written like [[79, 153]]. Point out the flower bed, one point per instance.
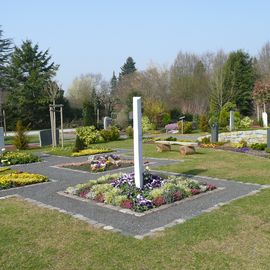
[[91, 151], [100, 163], [120, 190], [19, 179], [12, 158]]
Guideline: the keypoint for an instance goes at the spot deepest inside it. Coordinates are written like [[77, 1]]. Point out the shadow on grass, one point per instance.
[[195, 171]]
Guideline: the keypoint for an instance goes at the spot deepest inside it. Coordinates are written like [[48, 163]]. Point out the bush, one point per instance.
[[146, 124], [110, 134], [258, 146], [20, 140], [187, 127], [246, 122], [79, 144], [89, 135], [172, 139], [203, 123], [267, 150], [129, 131], [166, 119], [173, 126], [206, 140]]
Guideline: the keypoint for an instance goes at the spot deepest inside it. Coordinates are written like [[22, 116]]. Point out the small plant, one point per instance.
[[203, 124], [146, 124], [129, 131], [258, 146], [20, 140], [12, 158], [79, 144], [187, 127], [267, 150], [110, 134], [246, 122], [171, 139], [206, 140]]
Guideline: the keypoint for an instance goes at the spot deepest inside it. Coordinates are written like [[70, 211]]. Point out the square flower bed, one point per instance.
[[120, 190], [18, 179], [12, 158], [100, 163]]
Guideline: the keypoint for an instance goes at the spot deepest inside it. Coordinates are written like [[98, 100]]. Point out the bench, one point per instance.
[[186, 148]]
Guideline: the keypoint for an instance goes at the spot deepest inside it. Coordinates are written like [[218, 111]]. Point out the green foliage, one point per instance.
[[246, 122], [224, 115], [267, 150], [146, 124], [240, 144], [29, 71], [89, 135], [110, 134], [172, 139], [128, 67], [206, 140], [88, 113], [203, 123], [20, 139], [129, 131], [166, 119], [79, 144], [258, 146], [187, 127], [12, 158], [239, 78]]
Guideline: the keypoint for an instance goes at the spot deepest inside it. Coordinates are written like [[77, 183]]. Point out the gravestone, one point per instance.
[[45, 137], [214, 133], [268, 138], [2, 142], [265, 119], [231, 120], [137, 135], [107, 122]]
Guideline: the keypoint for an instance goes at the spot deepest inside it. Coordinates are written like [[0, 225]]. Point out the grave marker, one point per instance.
[[137, 127], [265, 119], [231, 120]]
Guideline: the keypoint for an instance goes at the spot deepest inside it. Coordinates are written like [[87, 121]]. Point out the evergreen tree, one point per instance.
[[239, 78], [128, 67], [5, 51], [30, 70], [113, 82]]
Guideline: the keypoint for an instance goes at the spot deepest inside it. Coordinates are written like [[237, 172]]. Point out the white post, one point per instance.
[[62, 126], [137, 137], [231, 120]]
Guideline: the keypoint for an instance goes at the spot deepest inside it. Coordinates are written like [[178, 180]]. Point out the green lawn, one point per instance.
[[236, 236], [31, 139]]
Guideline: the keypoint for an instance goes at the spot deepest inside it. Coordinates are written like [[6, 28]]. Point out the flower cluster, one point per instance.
[[11, 158], [173, 126], [90, 151], [120, 190], [101, 163]]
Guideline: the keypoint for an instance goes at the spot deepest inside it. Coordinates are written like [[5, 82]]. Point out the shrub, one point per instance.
[[187, 127], [246, 122], [258, 146], [166, 118], [110, 134], [267, 150], [20, 140], [79, 144], [146, 124], [206, 140], [89, 135], [203, 123], [172, 139], [129, 131], [173, 126]]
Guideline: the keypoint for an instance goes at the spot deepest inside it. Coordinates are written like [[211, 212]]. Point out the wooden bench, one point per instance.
[[186, 148]]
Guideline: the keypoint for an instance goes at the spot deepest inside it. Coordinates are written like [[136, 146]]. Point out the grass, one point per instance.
[[31, 139], [236, 236]]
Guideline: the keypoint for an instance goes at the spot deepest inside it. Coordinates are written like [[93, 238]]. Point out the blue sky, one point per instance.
[[98, 36]]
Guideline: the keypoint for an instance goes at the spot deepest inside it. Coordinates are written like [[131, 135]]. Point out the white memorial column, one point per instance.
[[137, 138]]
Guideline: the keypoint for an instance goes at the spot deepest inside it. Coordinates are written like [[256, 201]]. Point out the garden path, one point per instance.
[[127, 224]]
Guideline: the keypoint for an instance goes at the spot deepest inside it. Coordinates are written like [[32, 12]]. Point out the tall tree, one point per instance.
[[113, 82], [263, 62], [128, 67], [5, 52], [239, 78], [30, 70]]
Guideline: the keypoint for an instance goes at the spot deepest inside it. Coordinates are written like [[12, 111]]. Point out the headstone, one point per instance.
[[265, 119], [107, 122], [231, 120], [2, 142], [187, 150], [214, 133], [45, 137], [137, 127], [268, 138], [161, 147]]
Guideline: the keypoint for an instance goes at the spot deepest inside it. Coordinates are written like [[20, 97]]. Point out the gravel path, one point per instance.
[[127, 224]]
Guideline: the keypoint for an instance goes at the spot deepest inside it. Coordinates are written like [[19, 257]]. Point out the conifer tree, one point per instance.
[[128, 67]]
